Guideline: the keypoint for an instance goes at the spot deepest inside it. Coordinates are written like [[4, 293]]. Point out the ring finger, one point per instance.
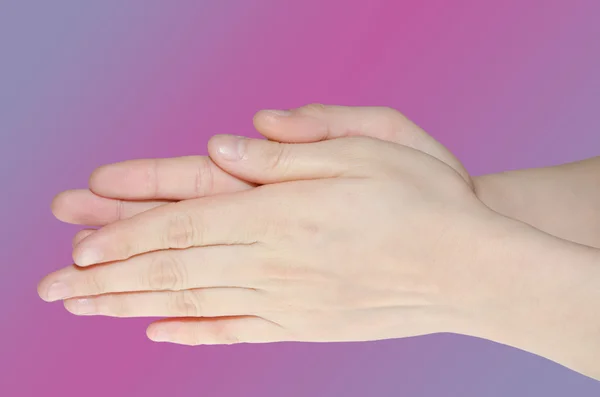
[[203, 302]]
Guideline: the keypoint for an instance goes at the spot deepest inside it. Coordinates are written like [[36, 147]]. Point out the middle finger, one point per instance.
[[199, 267]]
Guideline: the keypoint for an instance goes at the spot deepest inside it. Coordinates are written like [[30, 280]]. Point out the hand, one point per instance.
[[122, 190], [351, 239]]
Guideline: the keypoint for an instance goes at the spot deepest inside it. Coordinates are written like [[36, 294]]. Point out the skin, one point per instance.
[[284, 261], [562, 200]]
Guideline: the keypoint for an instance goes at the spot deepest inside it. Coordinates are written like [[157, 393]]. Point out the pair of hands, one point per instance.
[[348, 224]]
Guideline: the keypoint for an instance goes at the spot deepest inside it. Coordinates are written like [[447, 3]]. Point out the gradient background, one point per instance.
[[504, 84]]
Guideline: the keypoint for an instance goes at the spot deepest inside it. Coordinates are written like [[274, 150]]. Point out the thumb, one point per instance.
[[263, 162], [315, 122]]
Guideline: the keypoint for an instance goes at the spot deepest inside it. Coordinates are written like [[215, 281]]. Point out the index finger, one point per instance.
[[179, 178]]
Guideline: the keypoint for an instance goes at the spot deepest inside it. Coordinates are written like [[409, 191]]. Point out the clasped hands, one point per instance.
[[348, 224]]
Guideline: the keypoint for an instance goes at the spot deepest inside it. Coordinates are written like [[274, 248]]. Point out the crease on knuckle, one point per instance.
[[181, 231], [281, 160], [95, 283], [320, 112], [186, 303], [166, 273], [120, 210], [152, 178], [223, 333], [204, 180], [194, 336], [313, 108], [113, 306]]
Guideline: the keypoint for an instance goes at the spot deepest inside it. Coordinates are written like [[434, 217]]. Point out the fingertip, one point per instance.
[[155, 333], [42, 290], [271, 115], [56, 205], [67, 305], [82, 235], [62, 202], [227, 147], [84, 256], [59, 203], [295, 127], [51, 289], [96, 177], [270, 123], [150, 332]]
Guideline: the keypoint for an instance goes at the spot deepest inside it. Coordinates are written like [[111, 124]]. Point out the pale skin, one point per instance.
[[374, 232]]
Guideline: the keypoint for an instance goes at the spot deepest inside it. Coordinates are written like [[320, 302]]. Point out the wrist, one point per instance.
[[530, 195], [542, 295]]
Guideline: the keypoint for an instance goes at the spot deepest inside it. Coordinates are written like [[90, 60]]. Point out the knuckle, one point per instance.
[[95, 283], [129, 246], [313, 108], [181, 231], [231, 338], [223, 333], [277, 270], [281, 158], [166, 273], [204, 180], [273, 271], [185, 303], [152, 178], [395, 127], [361, 147], [190, 335], [114, 306], [388, 113], [120, 210], [196, 334]]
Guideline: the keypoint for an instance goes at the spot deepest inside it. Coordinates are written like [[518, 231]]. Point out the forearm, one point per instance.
[[544, 297], [563, 201]]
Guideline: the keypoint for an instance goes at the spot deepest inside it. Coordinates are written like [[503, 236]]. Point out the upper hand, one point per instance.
[[124, 189]]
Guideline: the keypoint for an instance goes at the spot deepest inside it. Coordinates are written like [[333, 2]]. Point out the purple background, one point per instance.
[[504, 84]]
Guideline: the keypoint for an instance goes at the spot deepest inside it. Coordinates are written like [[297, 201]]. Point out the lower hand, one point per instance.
[[350, 239]]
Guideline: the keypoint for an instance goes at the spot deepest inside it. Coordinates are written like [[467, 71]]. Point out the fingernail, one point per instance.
[[88, 257], [231, 147], [57, 290], [83, 306], [279, 112]]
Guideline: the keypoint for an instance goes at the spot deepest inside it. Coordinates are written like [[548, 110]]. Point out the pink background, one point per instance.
[[504, 84]]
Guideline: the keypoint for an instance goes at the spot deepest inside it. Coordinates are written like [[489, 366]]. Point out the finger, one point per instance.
[[217, 331], [82, 207], [168, 270], [80, 235], [174, 179], [205, 302], [229, 219], [318, 122], [266, 162]]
